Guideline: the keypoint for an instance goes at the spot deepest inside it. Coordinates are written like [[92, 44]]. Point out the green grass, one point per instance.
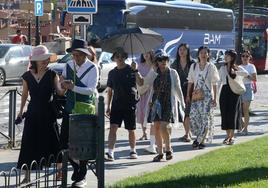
[[242, 165]]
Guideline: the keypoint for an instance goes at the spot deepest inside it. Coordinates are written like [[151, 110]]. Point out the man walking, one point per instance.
[[80, 78], [122, 93]]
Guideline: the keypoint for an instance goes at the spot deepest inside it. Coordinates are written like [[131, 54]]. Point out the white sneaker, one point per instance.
[[80, 184], [133, 155], [150, 149]]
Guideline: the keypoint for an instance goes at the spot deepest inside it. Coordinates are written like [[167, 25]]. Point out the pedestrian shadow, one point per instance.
[[250, 133], [246, 175], [132, 162]]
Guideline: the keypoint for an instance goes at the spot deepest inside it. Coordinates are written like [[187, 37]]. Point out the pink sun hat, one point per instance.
[[40, 53]]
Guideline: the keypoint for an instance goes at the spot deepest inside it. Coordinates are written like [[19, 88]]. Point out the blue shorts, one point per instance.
[[248, 95]]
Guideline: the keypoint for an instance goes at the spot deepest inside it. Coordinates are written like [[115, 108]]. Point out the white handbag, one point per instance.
[[237, 86]]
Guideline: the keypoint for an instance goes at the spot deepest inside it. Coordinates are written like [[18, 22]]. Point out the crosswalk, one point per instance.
[[81, 3]]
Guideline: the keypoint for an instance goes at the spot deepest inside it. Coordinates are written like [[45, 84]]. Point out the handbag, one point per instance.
[[237, 86], [83, 107], [198, 95]]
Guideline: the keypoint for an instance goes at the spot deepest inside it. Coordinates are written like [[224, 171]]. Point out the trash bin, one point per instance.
[[82, 136]]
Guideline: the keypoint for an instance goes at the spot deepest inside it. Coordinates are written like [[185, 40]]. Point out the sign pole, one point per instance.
[[37, 33]]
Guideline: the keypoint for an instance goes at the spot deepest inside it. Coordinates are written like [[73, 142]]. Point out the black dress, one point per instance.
[[40, 133], [230, 107]]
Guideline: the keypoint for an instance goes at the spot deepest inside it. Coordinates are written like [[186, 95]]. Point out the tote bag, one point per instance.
[[237, 86]]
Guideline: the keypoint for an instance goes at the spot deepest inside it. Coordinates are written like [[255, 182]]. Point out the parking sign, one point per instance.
[[82, 6], [38, 8]]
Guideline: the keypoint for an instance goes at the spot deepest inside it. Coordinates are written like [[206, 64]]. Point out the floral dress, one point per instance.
[[161, 109], [201, 113]]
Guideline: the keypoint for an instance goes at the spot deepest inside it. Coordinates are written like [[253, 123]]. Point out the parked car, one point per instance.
[[216, 56], [14, 60]]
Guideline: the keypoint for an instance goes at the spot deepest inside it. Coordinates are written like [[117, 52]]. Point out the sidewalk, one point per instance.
[[123, 167]]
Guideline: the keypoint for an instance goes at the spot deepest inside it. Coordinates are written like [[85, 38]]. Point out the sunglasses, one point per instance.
[[160, 59], [247, 56]]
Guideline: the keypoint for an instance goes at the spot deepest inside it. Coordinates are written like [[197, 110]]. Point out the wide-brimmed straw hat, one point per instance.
[[79, 45], [40, 53]]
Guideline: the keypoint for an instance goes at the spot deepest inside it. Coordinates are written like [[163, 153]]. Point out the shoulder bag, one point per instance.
[[82, 107], [237, 86], [198, 94]]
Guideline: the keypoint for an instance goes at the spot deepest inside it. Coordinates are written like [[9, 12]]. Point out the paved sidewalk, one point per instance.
[[123, 167]]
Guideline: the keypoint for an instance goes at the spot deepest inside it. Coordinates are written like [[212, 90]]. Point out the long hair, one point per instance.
[[142, 59], [201, 48], [233, 55], [33, 66], [188, 56]]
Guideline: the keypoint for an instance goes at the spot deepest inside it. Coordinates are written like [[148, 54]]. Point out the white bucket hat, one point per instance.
[[40, 53]]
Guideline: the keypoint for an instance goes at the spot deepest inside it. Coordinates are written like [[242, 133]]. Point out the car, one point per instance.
[[216, 56], [14, 61]]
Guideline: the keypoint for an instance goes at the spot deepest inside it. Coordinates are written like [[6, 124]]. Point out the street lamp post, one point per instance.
[[239, 45]]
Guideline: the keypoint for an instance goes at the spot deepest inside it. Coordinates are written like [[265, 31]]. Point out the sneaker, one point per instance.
[[133, 155], [82, 183], [108, 157], [201, 146], [150, 149]]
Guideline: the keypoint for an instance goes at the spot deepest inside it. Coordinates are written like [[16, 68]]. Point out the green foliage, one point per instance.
[[231, 4], [236, 166]]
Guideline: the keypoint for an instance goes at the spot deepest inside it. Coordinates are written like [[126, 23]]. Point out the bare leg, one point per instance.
[[112, 136], [186, 125], [132, 138], [246, 105], [158, 137], [165, 132]]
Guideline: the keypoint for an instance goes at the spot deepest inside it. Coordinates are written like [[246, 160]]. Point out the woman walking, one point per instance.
[[40, 133], [203, 76], [248, 96], [230, 103], [182, 65], [164, 110]]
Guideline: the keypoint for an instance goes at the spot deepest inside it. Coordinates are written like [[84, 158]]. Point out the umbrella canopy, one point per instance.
[[132, 40]]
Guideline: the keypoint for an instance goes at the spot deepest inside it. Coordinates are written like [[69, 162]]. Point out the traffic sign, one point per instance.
[[82, 19], [38, 8], [82, 6]]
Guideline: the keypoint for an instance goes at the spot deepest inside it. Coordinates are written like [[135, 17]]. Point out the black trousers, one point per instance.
[[80, 169]]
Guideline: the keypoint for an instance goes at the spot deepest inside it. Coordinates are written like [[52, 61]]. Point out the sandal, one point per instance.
[[185, 138], [169, 155], [158, 158], [201, 146], [226, 141], [144, 137]]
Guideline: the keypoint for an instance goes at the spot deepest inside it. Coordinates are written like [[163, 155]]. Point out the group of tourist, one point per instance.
[[151, 93], [186, 91]]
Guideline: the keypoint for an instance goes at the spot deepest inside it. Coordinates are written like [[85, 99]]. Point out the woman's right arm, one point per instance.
[[24, 96]]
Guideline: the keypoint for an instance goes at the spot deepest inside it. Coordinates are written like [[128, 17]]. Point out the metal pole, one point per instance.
[[29, 27], [100, 156], [239, 46], [37, 34], [64, 168], [12, 114]]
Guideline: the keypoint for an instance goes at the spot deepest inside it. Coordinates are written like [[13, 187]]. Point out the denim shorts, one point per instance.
[[248, 95]]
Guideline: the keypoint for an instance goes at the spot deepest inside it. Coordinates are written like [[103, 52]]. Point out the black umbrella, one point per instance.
[[132, 40]]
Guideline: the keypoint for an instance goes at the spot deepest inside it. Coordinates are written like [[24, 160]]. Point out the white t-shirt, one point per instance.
[[250, 68]]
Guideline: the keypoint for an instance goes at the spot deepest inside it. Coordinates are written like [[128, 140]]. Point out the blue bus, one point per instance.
[[178, 22]]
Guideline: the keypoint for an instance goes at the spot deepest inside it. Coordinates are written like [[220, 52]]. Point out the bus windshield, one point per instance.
[[102, 24]]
